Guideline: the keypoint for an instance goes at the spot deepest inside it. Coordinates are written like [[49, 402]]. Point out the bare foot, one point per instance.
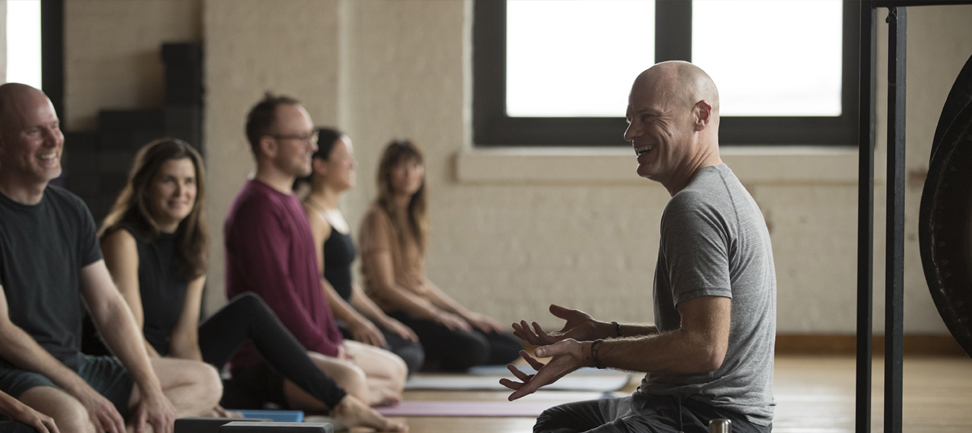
[[388, 400], [219, 412], [353, 413]]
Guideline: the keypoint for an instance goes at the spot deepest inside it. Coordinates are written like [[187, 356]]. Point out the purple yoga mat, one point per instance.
[[467, 408]]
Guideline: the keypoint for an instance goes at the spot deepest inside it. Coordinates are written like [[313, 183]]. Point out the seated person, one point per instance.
[[49, 263], [270, 251], [359, 318], [393, 241], [155, 245], [710, 353]]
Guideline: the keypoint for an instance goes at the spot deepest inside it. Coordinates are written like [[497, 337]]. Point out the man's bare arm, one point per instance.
[[698, 346], [579, 326], [21, 350], [114, 320]]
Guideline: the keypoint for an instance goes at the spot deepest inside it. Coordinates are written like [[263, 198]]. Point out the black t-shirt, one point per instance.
[[43, 248]]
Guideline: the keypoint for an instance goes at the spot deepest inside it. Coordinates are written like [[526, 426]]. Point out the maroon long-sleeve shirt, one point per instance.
[[270, 251]]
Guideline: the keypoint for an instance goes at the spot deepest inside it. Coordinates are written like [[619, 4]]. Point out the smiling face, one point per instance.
[[660, 127], [406, 176], [31, 141], [339, 168], [172, 193], [294, 139]]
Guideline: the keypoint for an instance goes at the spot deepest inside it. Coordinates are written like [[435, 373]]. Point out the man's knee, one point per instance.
[[201, 377], [208, 381], [68, 413], [548, 420]]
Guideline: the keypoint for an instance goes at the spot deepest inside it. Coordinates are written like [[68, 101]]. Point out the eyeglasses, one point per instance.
[[310, 138]]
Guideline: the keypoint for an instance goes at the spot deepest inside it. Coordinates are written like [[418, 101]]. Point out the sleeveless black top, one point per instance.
[[163, 295], [339, 253]]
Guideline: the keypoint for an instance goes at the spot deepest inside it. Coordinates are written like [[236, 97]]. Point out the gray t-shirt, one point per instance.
[[714, 242]]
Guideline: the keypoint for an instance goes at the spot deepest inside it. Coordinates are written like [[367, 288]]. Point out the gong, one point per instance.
[[945, 219]]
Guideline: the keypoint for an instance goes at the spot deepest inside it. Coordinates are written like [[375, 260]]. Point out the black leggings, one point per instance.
[[15, 427], [248, 317], [457, 350]]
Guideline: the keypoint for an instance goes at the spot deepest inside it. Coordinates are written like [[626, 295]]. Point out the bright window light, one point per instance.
[[575, 58], [24, 42], [771, 58]]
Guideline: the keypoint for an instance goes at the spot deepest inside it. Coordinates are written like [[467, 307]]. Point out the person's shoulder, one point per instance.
[[688, 198], [259, 207], [66, 204], [62, 197], [375, 215], [120, 239], [709, 186], [254, 196], [319, 224]]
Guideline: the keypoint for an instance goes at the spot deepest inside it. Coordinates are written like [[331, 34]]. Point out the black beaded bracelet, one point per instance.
[[594, 346], [617, 328]]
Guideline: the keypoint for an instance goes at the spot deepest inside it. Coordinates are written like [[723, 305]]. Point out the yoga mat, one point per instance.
[[468, 408], [275, 415], [501, 370], [597, 383]]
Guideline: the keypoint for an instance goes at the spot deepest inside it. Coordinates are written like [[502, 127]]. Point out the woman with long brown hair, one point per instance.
[[155, 246], [393, 239]]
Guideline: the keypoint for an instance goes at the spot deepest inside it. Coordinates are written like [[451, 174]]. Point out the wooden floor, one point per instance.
[[813, 395]]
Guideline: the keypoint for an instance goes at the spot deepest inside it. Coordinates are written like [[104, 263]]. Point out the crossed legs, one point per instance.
[[192, 387], [374, 376]]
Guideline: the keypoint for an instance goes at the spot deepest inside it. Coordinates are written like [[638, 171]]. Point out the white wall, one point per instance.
[[515, 230]]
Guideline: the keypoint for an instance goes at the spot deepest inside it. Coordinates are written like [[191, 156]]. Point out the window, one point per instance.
[[558, 73], [24, 42]]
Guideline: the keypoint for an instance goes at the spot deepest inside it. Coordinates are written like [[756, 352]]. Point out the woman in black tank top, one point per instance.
[[154, 242], [359, 318]]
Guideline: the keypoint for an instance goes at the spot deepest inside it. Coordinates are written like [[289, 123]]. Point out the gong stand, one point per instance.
[[894, 261]]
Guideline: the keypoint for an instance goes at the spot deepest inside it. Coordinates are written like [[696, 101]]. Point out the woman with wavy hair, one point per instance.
[[155, 245], [393, 239]]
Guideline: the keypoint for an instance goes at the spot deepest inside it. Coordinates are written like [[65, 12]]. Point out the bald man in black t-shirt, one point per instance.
[[49, 262]]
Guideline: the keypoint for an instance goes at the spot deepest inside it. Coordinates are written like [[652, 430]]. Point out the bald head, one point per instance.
[[13, 98], [680, 83], [30, 142], [673, 123]]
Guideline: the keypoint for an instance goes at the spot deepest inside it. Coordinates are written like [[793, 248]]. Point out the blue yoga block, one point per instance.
[[203, 425], [276, 427], [275, 415]]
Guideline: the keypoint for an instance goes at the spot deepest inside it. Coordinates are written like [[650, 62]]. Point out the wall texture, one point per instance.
[[113, 57], [252, 47], [504, 241]]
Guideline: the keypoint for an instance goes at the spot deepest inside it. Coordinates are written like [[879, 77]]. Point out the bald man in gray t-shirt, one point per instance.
[[714, 242], [710, 353]]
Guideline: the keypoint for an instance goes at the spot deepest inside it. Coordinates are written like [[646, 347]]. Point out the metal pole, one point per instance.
[[865, 219], [894, 311]]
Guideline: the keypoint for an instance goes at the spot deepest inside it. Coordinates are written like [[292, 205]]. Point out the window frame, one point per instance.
[[52, 53], [673, 41]]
